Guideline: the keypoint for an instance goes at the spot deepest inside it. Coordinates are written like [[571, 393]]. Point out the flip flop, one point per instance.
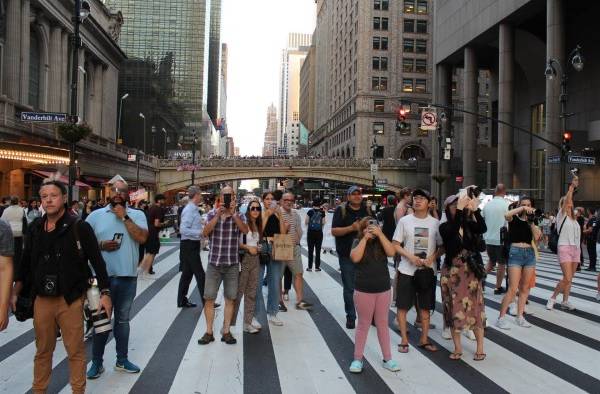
[[429, 347], [479, 356], [402, 348], [455, 356]]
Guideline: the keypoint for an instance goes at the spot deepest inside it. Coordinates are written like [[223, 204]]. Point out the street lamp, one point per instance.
[[576, 60], [119, 139], [81, 11], [144, 120], [165, 149], [194, 157]]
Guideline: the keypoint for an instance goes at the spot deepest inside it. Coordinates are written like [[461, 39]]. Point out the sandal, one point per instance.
[[455, 356], [206, 339], [479, 356], [429, 347], [403, 348]]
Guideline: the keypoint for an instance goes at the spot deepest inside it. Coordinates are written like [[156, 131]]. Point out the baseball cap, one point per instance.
[[353, 189], [450, 199], [421, 192]]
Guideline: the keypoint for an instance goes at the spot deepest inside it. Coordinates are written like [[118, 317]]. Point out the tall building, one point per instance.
[[288, 134], [214, 60], [223, 84], [370, 55], [168, 75], [270, 143], [307, 99]]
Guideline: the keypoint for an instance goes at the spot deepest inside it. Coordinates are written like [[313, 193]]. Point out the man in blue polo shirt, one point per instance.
[[119, 230]]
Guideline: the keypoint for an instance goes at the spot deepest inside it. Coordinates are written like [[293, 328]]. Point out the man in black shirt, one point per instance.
[[315, 220], [156, 222], [591, 235], [344, 228]]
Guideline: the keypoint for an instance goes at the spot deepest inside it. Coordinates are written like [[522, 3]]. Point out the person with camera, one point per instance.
[[372, 294], [120, 230], [223, 229], [418, 242], [315, 221], [522, 233], [462, 292], [569, 246], [54, 272], [6, 271]]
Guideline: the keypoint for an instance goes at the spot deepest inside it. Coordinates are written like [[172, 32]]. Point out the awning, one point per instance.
[[63, 178], [95, 179]]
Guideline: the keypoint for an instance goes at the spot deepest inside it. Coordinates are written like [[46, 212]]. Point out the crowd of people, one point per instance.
[[53, 254]]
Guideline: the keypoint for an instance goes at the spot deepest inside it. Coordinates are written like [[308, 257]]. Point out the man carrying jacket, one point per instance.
[[54, 270]]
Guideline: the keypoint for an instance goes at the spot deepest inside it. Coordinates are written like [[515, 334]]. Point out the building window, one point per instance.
[[378, 128], [377, 5], [379, 152], [412, 152], [384, 43], [376, 43], [409, 6], [34, 70], [379, 106], [379, 83], [421, 65], [538, 118], [421, 46], [376, 63], [422, 26], [407, 85], [376, 23], [421, 7], [408, 45], [381, 5], [408, 65], [420, 85], [409, 25], [380, 63], [384, 23]]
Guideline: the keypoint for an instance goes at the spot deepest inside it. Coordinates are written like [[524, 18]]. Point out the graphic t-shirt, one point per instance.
[[419, 237]]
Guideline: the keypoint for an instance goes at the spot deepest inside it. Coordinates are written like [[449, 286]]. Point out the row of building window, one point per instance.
[[409, 85], [415, 46], [380, 23], [380, 43], [379, 129], [409, 6], [411, 24], [409, 65], [381, 5]]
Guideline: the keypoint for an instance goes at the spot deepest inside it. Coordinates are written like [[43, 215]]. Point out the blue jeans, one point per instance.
[[347, 267], [521, 257], [122, 292], [274, 270]]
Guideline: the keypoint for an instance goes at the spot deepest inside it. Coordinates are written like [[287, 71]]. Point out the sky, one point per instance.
[[255, 32]]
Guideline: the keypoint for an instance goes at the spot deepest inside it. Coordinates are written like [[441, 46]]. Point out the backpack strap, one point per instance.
[[561, 226]]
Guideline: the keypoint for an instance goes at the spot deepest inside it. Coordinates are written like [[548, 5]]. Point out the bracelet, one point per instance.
[[100, 244]]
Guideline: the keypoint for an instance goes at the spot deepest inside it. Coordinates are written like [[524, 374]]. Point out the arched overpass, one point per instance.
[[177, 174]]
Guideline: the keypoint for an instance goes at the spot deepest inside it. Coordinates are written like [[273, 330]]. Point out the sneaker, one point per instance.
[[309, 269], [446, 334], [282, 307], [356, 366], [256, 324], [95, 371], [286, 297], [469, 334], [521, 322], [274, 320], [350, 323], [250, 329], [391, 365], [317, 269], [303, 305], [550, 303], [126, 366], [502, 323], [567, 305], [512, 309]]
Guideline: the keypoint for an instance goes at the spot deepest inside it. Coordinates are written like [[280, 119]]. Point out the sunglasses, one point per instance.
[[256, 209]]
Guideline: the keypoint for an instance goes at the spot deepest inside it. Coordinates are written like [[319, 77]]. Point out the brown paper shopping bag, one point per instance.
[[283, 247]]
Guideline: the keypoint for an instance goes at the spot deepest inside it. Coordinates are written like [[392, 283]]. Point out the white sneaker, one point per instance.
[[521, 322], [274, 320], [550, 303], [502, 323], [446, 334], [469, 334], [598, 296], [256, 324], [567, 305], [512, 309], [249, 328]]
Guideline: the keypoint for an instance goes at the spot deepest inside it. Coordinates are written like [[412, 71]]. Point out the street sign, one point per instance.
[[381, 182], [374, 169], [428, 119], [554, 159], [131, 157], [44, 117], [585, 160]]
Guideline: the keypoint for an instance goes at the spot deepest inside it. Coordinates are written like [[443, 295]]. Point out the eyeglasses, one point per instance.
[[256, 209], [120, 190]]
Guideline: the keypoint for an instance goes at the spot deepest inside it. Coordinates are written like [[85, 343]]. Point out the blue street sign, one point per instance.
[[585, 160], [44, 117], [554, 159]]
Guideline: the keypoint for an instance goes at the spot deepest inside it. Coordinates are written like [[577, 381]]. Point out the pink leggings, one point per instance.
[[367, 305]]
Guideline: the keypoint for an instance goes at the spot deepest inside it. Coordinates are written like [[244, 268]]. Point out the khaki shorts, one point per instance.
[[294, 265]]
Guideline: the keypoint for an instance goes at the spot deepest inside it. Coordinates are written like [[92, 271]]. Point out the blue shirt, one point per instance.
[[123, 261], [493, 213], [191, 223]]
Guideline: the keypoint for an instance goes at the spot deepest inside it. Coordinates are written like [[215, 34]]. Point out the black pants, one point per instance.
[[190, 265], [591, 247], [18, 245], [287, 280], [314, 240]]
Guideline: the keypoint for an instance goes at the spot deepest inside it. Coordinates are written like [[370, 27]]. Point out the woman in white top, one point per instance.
[[569, 246], [248, 280]]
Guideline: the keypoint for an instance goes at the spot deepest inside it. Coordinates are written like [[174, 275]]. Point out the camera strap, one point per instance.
[[77, 238]]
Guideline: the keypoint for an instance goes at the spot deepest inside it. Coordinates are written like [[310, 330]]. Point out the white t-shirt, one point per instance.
[[251, 238], [417, 236], [571, 232]]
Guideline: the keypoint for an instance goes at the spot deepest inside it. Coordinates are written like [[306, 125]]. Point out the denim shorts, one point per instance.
[[521, 257], [217, 274]]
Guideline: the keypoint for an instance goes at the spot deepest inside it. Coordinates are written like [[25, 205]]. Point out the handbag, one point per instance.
[[263, 252], [554, 236], [475, 266], [283, 247]]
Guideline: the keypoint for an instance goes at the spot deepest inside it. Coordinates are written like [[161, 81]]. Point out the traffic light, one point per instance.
[[401, 123], [566, 142]]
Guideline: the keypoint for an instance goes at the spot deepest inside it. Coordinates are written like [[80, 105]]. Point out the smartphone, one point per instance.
[[118, 237], [373, 222], [273, 205], [227, 200]]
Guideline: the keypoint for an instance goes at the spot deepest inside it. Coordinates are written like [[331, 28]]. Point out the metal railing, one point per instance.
[[241, 162]]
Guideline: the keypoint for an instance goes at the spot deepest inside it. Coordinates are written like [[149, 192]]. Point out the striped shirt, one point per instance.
[[224, 241], [294, 222]]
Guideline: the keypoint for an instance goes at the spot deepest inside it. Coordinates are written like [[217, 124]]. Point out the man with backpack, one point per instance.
[[344, 228], [315, 220]]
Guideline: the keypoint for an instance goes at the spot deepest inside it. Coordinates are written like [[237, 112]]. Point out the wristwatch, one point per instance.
[[105, 292], [126, 218]]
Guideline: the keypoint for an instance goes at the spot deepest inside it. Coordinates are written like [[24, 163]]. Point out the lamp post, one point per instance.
[[81, 11], [153, 134], [165, 146], [576, 60], [119, 139], [193, 157], [144, 120]]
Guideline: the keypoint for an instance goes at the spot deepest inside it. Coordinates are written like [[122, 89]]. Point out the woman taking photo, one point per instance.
[[248, 280], [521, 260], [372, 294], [462, 293], [569, 246]]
